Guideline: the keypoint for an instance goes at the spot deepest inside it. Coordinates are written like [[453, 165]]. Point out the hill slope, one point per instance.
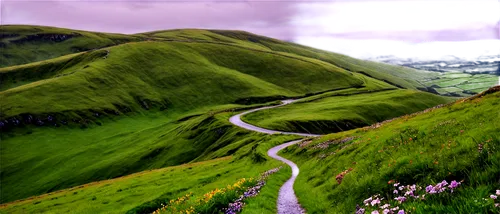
[[458, 142], [344, 112], [24, 44], [172, 54]]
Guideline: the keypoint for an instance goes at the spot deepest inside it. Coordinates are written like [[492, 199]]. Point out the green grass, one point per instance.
[[177, 75], [487, 78], [478, 85], [418, 149], [456, 75], [479, 90], [265, 202], [139, 191], [453, 82], [17, 49], [429, 83], [340, 113], [55, 158], [450, 89]]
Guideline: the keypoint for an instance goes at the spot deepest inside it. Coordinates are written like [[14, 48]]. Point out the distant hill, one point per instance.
[[484, 63], [23, 44]]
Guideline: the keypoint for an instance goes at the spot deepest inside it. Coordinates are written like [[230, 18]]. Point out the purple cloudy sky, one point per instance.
[[407, 21]]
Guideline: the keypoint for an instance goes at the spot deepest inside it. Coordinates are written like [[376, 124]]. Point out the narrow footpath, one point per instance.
[[287, 200]]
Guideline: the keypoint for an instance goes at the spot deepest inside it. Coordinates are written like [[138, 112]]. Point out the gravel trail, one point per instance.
[[287, 200]]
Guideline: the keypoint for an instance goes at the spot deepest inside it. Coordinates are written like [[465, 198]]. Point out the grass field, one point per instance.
[[456, 75], [457, 142], [449, 89], [461, 84], [479, 85], [341, 113], [147, 189], [56, 158], [452, 82]]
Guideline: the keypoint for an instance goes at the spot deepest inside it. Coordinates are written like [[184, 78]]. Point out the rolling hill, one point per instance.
[[24, 44], [341, 113], [128, 103]]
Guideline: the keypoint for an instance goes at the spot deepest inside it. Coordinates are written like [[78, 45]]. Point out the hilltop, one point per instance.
[[23, 44]]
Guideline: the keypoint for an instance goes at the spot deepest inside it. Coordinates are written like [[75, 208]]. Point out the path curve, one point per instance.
[[287, 200]]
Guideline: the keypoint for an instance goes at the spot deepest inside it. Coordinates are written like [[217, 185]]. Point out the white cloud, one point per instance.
[[413, 15]]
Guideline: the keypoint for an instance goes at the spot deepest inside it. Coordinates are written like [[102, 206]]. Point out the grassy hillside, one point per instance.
[[40, 160], [23, 44], [147, 190], [110, 112], [341, 113], [457, 142], [171, 75], [399, 76]]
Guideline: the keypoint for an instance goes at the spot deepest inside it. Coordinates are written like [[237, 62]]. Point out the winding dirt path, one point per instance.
[[287, 200]]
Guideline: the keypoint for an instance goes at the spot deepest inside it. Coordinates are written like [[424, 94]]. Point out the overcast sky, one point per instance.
[[361, 28]]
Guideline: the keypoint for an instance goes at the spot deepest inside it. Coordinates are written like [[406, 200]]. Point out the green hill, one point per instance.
[[459, 142], [24, 44], [341, 113], [110, 112]]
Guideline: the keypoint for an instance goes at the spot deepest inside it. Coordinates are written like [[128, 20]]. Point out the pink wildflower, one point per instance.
[[360, 211], [395, 191], [401, 212], [385, 206], [454, 184], [430, 189], [413, 187], [368, 201], [493, 196], [375, 212], [375, 202], [498, 192], [410, 193], [401, 199]]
